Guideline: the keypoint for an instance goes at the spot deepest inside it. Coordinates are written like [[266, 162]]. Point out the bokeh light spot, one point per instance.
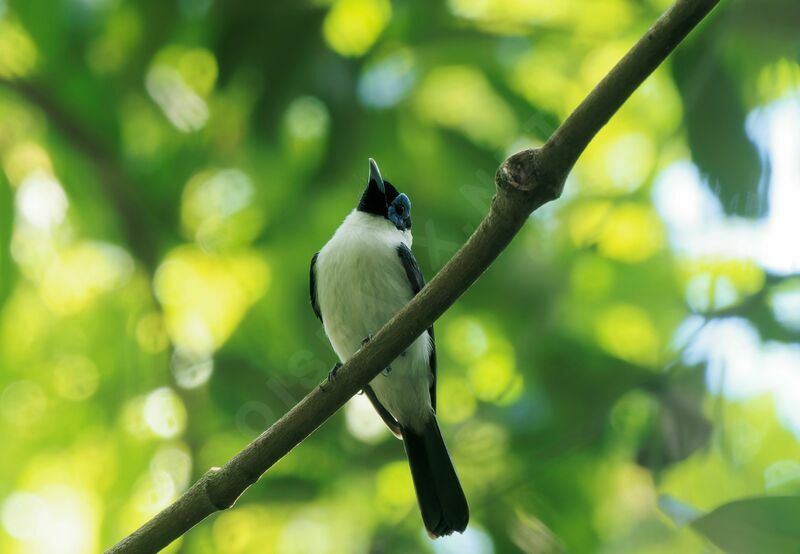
[[54, 518], [705, 292], [26, 158], [627, 332], [153, 492], [480, 452], [151, 334], [165, 413], [513, 17], [462, 99], [713, 283], [81, 273], [362, 420], [312, 530], [782, 476], [132, 418], [219, 211], [198, 67], [492, 376], [24, 515], [41, 201], [544, 76], [785, 302], [386, 82], [173, 460], [23, 403], [190, 369], [307, 118], [777, 80], [234, 531], [75, 378], [456, 401], [632, 233], [591, 277], [629, 161], [586, 221], [395, 490], [184, 108], [17, 50], [465, 339], [351, 27], [205, 296]]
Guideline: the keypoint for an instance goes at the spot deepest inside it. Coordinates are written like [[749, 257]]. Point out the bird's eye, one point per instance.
[[399, 211]]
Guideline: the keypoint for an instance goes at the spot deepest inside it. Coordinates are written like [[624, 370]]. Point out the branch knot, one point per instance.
[[525, 174], [518, 172]]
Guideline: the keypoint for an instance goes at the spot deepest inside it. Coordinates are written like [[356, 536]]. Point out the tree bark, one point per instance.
[[524, 182]]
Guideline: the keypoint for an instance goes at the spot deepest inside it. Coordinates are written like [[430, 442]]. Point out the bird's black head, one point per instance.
[[382, 199]]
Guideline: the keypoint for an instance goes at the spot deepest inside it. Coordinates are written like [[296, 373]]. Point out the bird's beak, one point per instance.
[[375, 175]]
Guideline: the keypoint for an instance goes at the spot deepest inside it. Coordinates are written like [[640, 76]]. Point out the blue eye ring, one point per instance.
[[401, 205], [399, 211]]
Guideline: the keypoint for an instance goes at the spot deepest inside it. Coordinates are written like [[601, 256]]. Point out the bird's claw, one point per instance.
[[331, 376], [332, 372]]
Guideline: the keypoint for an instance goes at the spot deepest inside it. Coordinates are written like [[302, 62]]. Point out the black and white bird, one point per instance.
[[361, 278]]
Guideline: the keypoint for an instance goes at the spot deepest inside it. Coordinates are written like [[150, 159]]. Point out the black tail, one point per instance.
[[441, 500]]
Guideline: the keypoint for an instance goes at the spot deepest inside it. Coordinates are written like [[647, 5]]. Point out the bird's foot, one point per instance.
[[331, 376], [387, 371]]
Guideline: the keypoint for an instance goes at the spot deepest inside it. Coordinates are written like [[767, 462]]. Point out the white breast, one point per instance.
[[361, 284]]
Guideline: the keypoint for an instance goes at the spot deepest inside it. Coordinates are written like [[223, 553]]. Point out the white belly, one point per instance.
[[361, 284]]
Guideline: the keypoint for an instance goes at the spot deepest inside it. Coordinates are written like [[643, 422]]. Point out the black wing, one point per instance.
[[417, 281], [387, 418], [313, 287]]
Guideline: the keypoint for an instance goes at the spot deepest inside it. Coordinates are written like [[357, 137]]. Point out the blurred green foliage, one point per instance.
[[169, 168]]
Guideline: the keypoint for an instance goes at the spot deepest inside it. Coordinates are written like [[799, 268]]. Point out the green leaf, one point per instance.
[[714, 118], [761, 525]]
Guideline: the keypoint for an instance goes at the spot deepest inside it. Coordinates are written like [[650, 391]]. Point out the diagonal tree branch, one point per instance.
[[525, 181]]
